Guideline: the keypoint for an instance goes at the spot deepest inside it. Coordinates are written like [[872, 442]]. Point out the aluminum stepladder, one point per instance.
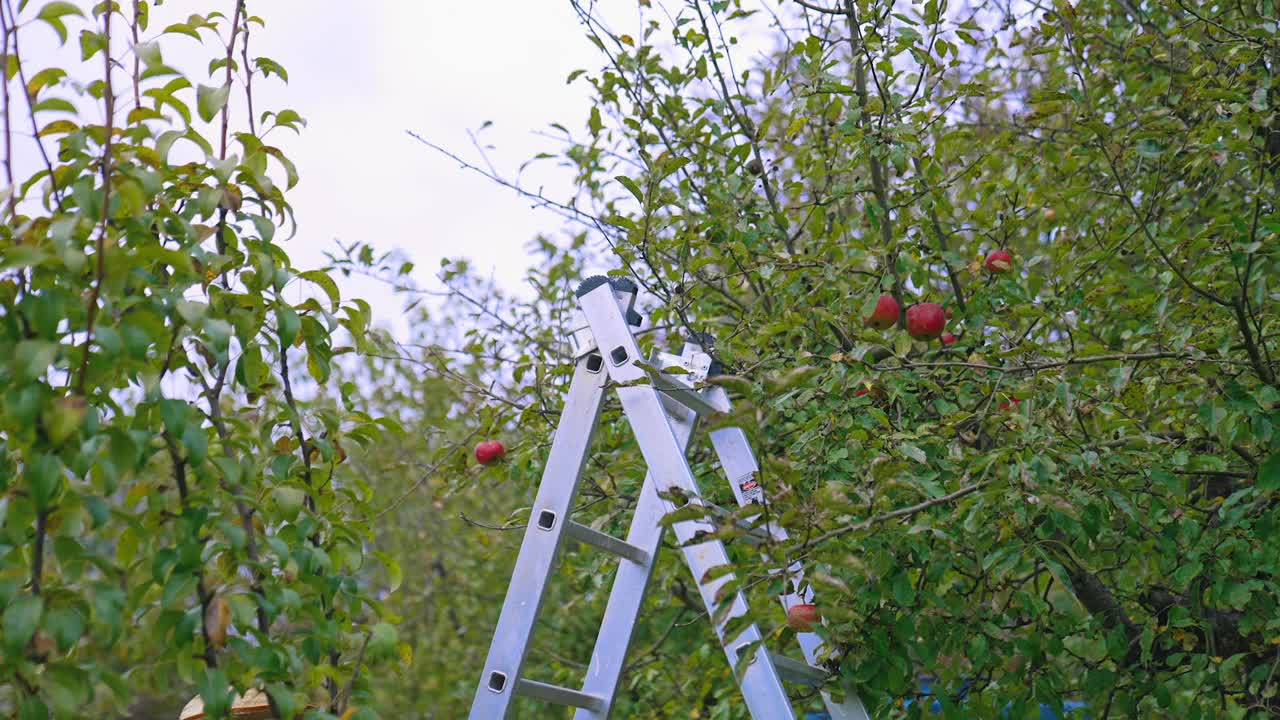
[[662, 410]]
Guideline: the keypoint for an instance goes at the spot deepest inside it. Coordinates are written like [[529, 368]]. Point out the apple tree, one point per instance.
[[1076, 497], [176, 516]]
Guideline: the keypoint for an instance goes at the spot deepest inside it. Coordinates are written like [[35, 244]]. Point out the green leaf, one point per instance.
[[23, 256], [395, 576], [91, 43], [1269, 473], [289, 499], [631, 186], [21, 618], [52, 13], [196, 443], [287, 324], [58, 9], [33, 708], [286, 701], [44, 480], [69, 688], [382, 640], [192, 312], [903, 591], [1149, 148], [290, 170], [326, 283], [33, 358], [174, 414], [55, 105], [913, 452], [219, 333], [211, 100]]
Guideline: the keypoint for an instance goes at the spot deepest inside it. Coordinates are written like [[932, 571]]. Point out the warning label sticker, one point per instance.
[[751, 491]]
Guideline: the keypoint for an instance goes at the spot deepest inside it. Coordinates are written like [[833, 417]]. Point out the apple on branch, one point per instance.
[[885, 315], [926, 321], [489, 452]]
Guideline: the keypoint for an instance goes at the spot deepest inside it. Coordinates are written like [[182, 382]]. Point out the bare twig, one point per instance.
[[345, 696], [230, 60], [6, 109], [100, 266], [31, 101]]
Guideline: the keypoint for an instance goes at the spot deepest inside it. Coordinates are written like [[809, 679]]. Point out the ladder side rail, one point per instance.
[[761, 685], [543, 539], [739, 463]]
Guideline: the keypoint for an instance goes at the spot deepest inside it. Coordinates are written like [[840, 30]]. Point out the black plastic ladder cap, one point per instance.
[[590, 284]]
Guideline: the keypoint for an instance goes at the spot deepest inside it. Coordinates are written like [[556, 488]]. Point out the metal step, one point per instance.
[[796, 671], [606, 542], [681, 391], [559, 695]]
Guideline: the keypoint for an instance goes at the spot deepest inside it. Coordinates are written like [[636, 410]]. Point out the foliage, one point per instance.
[[176, 516], [1078, 499]]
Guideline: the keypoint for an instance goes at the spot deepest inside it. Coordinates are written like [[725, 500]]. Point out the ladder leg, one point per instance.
[[739, 464], [543, 539], [625, 600], [761, 685]]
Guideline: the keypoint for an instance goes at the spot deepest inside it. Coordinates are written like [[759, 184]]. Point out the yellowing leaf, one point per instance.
[[217, 618]]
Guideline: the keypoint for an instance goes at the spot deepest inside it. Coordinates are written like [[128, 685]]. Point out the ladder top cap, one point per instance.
[[707, 342], [620, 284]]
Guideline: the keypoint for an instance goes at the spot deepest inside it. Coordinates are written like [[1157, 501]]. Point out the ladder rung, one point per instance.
[[684, 393], [798, 672], [606, 542], [559, 695]]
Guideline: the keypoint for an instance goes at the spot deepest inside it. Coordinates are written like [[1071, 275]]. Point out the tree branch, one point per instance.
[[879, 179], [894, 514], [37, 552], [748, 129], [952, 277], [202, 593]]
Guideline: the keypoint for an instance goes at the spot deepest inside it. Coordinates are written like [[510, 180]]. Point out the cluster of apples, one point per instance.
[[928, 321], [925, 321]]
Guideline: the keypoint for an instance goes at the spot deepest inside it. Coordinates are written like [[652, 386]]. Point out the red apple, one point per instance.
[[948, 339], [885, 315], [1012, 404], [802, 617], [947, 312], [489, 452], [999, 261], [925, 321]]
